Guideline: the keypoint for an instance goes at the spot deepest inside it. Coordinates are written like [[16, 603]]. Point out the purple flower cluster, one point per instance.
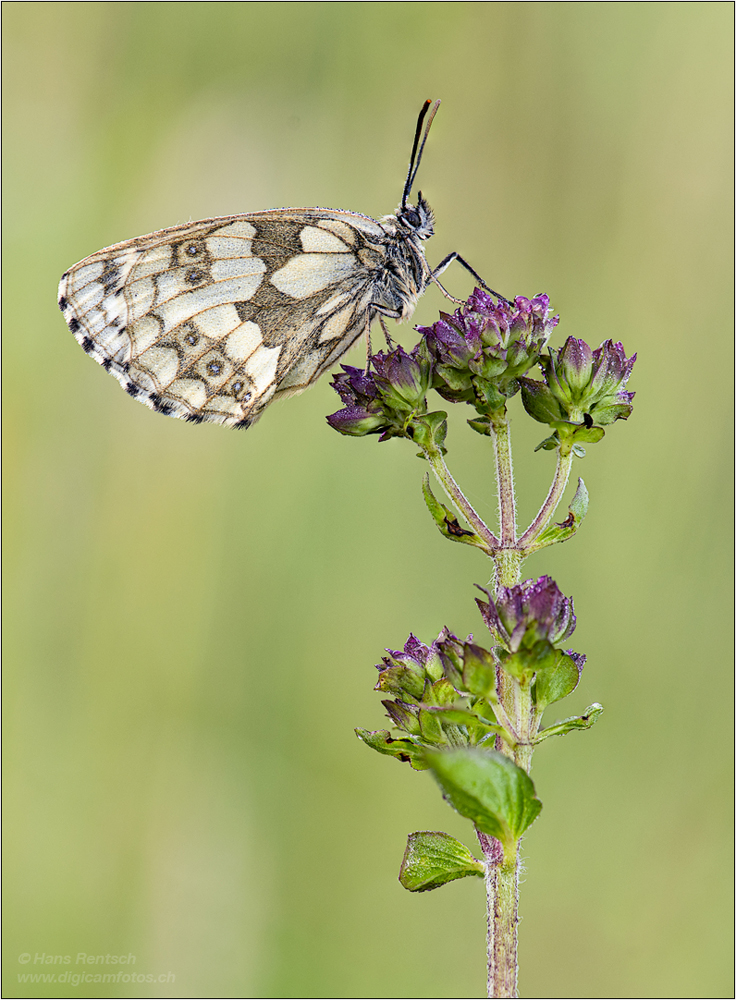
[[581, 385], [480, 355], [481, 350], [528, 621], [416, 679], [408, 670], [524, 614], [385, 400]]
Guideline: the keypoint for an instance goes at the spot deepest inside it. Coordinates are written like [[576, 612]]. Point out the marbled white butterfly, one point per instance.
[[213, 320]]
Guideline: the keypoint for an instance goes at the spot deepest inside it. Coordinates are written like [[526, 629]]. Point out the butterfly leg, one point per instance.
[[389, 339], [380, 311], [368, 349], [444, 264]]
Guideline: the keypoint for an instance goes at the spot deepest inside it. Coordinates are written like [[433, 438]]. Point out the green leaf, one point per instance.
[[456, 378], [436, 509], [567, 725], [476, 729], [431, 727], [555, 681], [549, 443], [440, 693], [465, 717], [489, 396], [402, 749], [482, 426], [487, 788], [402, 680], [429, 431], [539, 402], [404, 715], [446, 520], [579, 503], [479, 670], [560, 532], [591, 435], [525, 663], [433, 666], [433, 858]]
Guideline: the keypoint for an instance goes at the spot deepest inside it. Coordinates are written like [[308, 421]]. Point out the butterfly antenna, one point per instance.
[[416, 150]]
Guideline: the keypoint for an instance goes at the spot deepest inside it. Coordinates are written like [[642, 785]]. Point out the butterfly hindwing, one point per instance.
[[212, 320]]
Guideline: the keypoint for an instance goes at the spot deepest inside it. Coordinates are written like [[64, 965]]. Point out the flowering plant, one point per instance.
[[472, 714]]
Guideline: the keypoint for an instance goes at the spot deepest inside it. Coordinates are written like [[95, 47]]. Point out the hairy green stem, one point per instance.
[[508, 568], [502, 718], [460, 501], [548, 508], [500, 433], [502, 893], [525, 725], [502, 875]]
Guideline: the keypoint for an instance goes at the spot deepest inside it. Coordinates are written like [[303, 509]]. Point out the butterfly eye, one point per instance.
[[412, 217]]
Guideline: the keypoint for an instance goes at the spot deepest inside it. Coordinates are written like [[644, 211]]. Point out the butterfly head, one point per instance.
[[417, 220]]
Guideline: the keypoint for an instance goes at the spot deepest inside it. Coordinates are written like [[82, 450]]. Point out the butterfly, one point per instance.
[[214, 320]]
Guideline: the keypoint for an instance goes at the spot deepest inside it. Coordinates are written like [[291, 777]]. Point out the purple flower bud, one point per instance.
[[414, 652], [525, 614], [402, 376], [576, 360], [611, 368], [354, 386], [355, 421], [447, 641], [449, 344]]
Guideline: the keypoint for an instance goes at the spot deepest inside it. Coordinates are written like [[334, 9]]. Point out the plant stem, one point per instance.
[[548, 508], [502, 873], [460, 501], [502, 718], [499, 424], [525, 726], [502, 893], [508, 568]]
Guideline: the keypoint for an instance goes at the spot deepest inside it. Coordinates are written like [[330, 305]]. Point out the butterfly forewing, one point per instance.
[[212, 320]]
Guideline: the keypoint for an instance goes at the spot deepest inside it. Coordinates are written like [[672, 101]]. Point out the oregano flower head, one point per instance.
[[390, 399], [527, 613], [581, 385], [480, 351]]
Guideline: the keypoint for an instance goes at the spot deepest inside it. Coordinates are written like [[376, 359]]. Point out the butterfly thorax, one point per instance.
[[404, 272]]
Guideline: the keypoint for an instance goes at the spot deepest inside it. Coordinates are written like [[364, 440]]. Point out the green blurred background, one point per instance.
[[192, 614]]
